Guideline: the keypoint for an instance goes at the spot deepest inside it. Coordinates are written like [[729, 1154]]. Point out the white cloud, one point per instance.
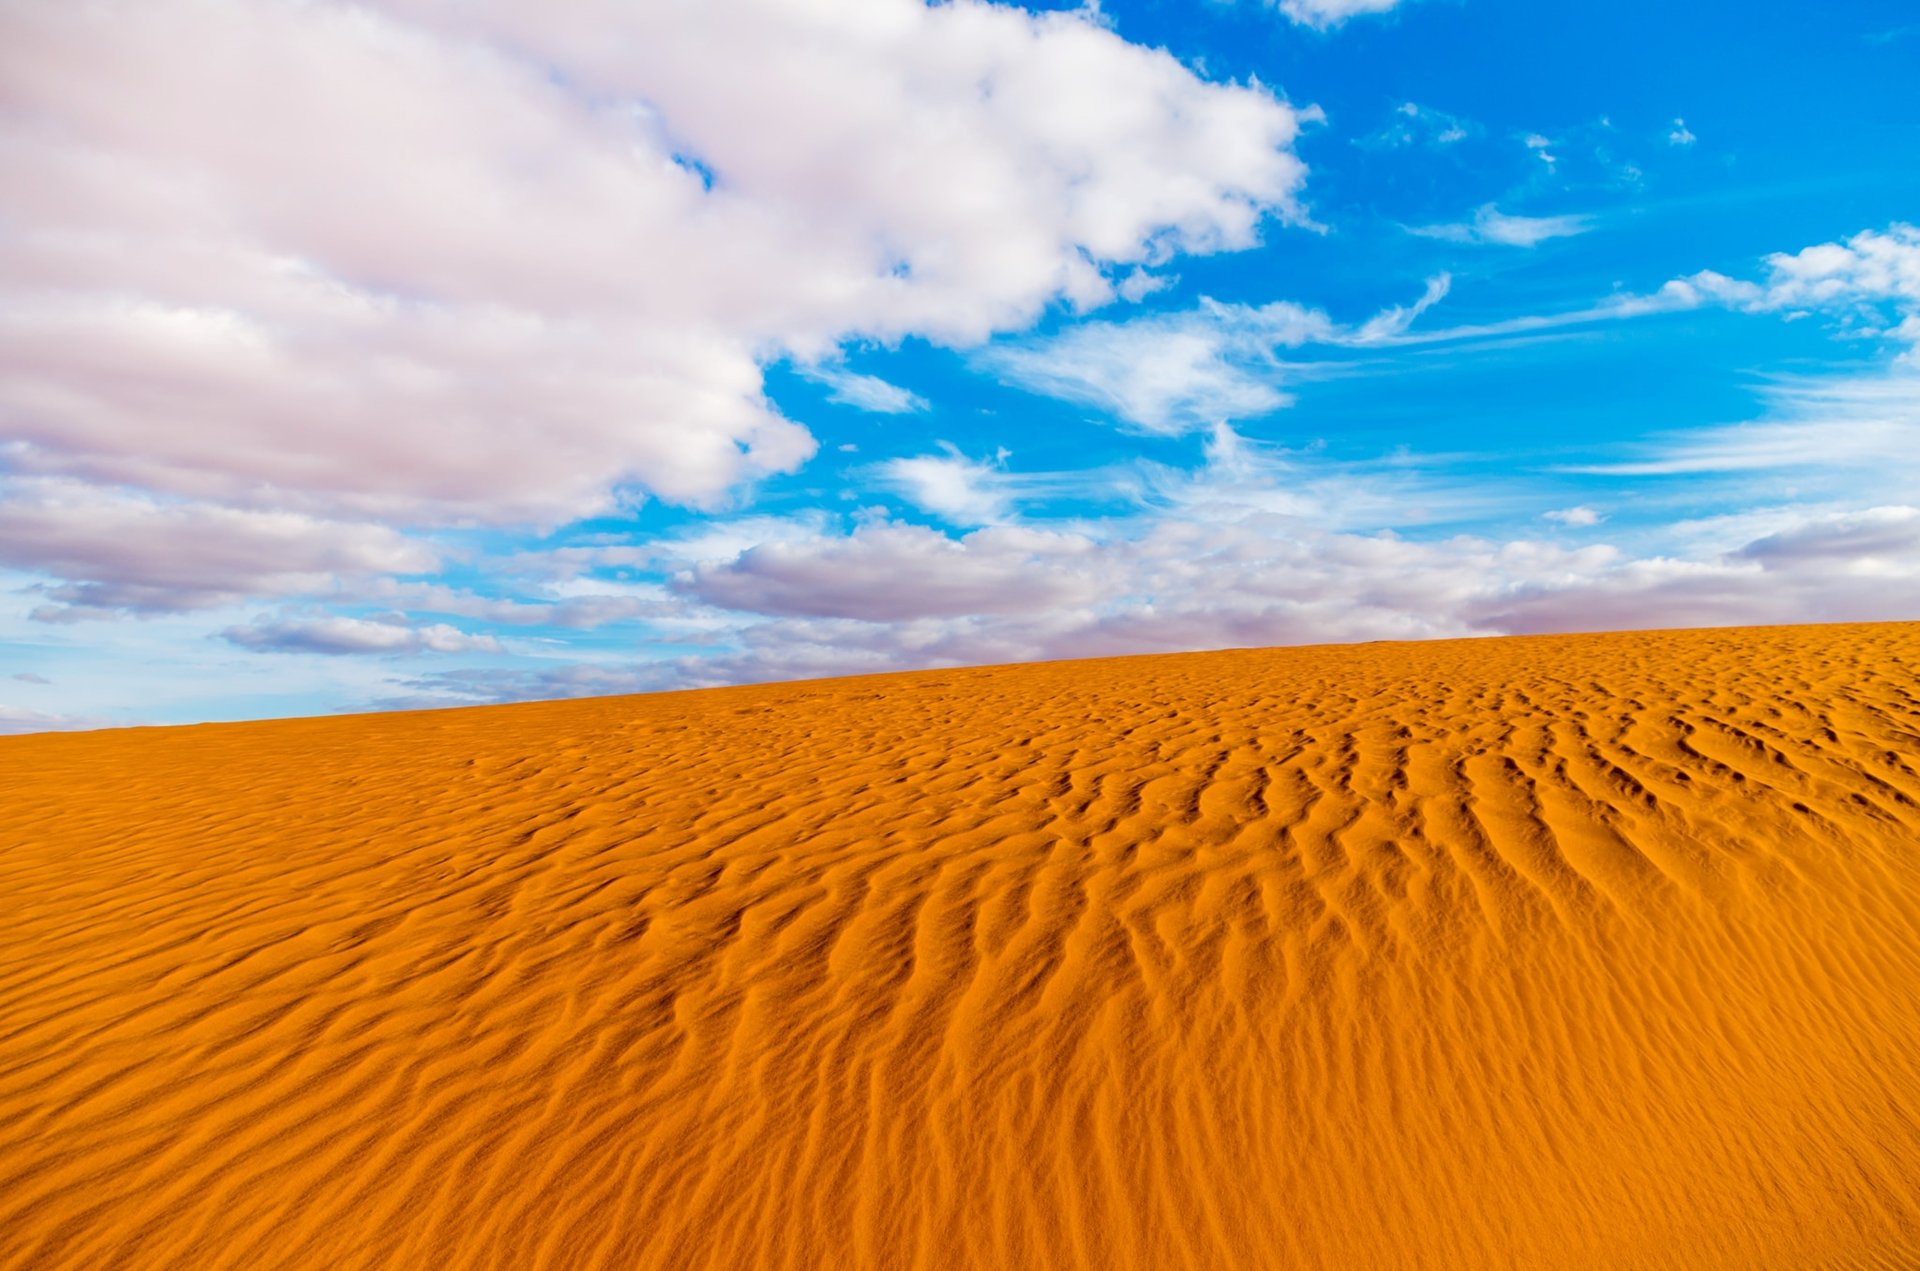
[[961, 490], [1257, 547], [1139, 284], [1204, 572], [864, 392], [1490, 225], [1680, 134], [510, 263], [896, 573], [1168, 373], [1394, 321], [1186, 372], [331, 633], [1246, 550], [116, 550], [1879, 542], [579, 604], [15, 720], [1176, 373], [1871, 281], [894, 597], [1237, 477], [1872, 278], [1413, 124], [1325, 14], [1856, 433]]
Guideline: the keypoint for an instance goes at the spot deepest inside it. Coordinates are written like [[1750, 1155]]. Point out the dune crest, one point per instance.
[[1585, 951]]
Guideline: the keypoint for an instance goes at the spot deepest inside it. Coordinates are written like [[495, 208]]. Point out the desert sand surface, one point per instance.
[[1556, 952]]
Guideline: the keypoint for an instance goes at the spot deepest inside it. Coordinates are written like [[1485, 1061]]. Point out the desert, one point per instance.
[[1559, 951]]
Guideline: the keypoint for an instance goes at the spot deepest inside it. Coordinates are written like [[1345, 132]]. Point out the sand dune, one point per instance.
[[1597, 951]]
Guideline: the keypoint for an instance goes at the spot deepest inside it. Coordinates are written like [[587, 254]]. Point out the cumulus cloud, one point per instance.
[[897, 597], [1249, 549], [1879, 542], [1246, 551], [1185, 584], [1489, 225], [1871, 279], [1139, 284], [263, 338], [1851, 566], [332, 633], [532, 264], [120, 551], [1680, 134], [893, 573]]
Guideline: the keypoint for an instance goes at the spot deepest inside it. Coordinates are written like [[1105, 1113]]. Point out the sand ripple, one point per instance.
[[1556, 952]]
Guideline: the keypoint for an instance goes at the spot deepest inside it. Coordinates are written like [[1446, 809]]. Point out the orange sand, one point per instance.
[[1592, 951]]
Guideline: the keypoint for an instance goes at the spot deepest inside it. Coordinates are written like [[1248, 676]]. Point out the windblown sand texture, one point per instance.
[[1567, 952]]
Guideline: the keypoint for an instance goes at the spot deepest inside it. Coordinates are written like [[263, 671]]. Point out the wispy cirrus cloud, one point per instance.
[[864, 392], [1189, 371], [1326, 14], [954, 487], [1857, 430], [1490, 226], [1182, 372], [1412, 124]]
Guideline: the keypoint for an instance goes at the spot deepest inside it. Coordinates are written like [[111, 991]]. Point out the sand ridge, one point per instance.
[[1583, 951]]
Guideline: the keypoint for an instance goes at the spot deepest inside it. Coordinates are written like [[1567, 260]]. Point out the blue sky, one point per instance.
[[396, 355]]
